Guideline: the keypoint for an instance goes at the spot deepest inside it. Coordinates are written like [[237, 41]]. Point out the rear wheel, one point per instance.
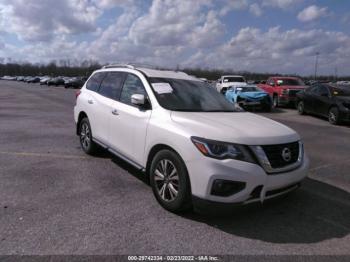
[[170, 182], [301, 108], [333, 116], [85, 136]]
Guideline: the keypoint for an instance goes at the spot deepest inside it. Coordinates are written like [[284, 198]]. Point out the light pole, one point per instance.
[[316, 64]]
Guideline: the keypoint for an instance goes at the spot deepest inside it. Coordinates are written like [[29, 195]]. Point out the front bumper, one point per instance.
[[344, 115], [286, 100], [259, 185]]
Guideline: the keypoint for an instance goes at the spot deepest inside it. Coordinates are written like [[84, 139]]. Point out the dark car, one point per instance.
[[326, 100], [34, 80], [55, 81], [75, 82]]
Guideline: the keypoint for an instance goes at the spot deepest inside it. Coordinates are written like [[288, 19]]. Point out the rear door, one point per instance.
[[93, 105], [128, 127]]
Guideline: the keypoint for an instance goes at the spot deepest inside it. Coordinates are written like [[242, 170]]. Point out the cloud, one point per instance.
[[274, 50], [166, 33], [312, 13], [255, 9], [284, 4], [32, 20]]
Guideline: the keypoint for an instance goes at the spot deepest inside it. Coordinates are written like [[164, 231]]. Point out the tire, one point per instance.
[[301, 108], [333, 116], [275, 101], [172, 190], [85, 137]]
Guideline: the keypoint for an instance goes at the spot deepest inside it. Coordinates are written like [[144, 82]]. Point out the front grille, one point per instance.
[[293, 93], [278, 154]]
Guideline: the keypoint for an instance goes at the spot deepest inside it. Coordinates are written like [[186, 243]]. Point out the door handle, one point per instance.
[[90, 101], [115, 112]]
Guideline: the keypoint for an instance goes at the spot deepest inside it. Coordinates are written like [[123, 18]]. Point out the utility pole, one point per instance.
[[335, 74], [316, 64]]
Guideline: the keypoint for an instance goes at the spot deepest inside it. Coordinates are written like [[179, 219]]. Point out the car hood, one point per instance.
[[236, 127]]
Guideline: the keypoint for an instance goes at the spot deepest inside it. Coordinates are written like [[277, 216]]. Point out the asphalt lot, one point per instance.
[[54, 199]]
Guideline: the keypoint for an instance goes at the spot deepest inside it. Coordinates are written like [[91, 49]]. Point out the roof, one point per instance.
[[167, 74], [232, 76], [152, 72], [285, 77]]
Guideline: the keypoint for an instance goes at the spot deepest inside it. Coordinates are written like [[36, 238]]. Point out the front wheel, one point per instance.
[[301, 108], [223, 91], [85, 136], [333, 116], [275, 101], [170, 182]]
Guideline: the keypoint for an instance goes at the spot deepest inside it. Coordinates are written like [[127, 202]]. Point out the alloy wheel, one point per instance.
[[85, 136], [166, 180]]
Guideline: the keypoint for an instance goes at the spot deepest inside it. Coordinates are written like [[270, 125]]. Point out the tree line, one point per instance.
[[87, 67]]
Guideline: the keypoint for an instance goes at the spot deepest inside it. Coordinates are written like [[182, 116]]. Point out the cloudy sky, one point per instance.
[[256, 35]]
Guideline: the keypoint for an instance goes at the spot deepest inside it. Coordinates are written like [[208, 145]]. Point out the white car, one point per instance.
[[195, 146], [227, 81]]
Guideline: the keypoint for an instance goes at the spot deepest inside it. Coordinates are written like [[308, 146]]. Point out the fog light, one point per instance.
[[226, 188]]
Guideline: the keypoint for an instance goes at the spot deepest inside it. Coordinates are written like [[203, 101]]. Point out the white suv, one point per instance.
[[195, 146], [225, 82]]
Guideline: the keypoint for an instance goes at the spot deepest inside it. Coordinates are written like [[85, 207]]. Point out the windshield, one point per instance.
[[247, 89], [290, 82], [234, 79], [189, 96]]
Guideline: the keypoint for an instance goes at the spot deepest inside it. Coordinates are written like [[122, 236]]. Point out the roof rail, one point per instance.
[[118, 65], [132, 66]]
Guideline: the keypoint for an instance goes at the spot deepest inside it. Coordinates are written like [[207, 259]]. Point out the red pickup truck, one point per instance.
[[283, 89]]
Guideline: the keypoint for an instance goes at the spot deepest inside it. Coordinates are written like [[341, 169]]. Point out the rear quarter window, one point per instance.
[[95, 81]]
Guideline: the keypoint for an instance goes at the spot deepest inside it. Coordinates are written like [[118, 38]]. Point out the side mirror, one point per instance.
[[138, 99]]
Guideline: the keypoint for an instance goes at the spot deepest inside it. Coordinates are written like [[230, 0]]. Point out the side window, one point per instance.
[[132, 85], [112, 85], [314, 89], [271, 82], [94, 82], [322, 91]]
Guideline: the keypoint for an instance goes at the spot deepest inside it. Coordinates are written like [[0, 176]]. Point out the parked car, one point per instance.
[[20, 78], [249, 97], [326, 100], [56, 81], [27, 78], [283, 89], [35, 79], [194, 145], [227, 81], [9, 78], [44, 80], [75, 82]]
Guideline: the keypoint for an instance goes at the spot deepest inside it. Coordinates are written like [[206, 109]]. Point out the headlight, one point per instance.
[[223, 150]]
